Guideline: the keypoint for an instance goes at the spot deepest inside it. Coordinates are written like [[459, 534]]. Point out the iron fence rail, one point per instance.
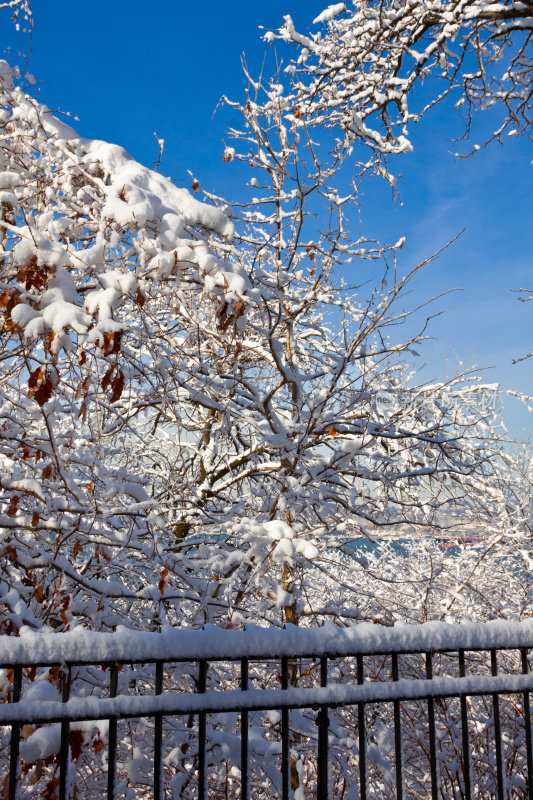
[[322, 700], [174, 645]]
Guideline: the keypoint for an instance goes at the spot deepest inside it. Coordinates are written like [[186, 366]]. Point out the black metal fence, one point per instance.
[[445, 723]]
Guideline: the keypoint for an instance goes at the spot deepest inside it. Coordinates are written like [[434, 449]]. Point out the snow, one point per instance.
[[295, 437], [45, 742], [59, 305], [329, 13], [29, 485], [115, 284], [5, 73], [128, 645], [94, 708], [41, 691], [99, 186], [149, 195]]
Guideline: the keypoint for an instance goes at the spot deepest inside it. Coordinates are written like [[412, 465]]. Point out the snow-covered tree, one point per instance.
[[203, 405], [193, 405], [335, 437], [89, 239], [373, 70]]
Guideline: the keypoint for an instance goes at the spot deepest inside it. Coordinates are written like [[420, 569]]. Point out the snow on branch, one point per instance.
[[362, 72]]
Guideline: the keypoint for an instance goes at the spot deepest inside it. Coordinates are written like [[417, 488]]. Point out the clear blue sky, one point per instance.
[[127, 69]]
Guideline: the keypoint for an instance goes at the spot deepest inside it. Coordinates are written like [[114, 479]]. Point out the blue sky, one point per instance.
[[127, 69]]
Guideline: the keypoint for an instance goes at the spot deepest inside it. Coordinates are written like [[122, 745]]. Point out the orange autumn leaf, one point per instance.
[[34, 379], [9, 552], [8, 300], [6, 297], [41, 384], [163, 580], [195, 185], [239, 309], [48, 341], [13, 505], [111, 343], [35, 517], [34, 276], [106, 380], [82, 389], [54, 674], [117, 386], [332, 430], [50, 791], [47, 472], [76, 741], [43, 394]]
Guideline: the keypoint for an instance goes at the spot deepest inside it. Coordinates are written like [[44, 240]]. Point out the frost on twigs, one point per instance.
[[201, 419], [317, 432], [21, 13], [101, 259], [362, 71], [194, 408]]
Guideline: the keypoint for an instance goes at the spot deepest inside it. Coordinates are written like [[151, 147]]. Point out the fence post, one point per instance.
[[158, 734], [464, 731], [397, 734], [15, 736], [361, 731], [65, 735], [244, 734], [112, 735], [202, 731], [322, 722], [527, 725], [285, 757], [432, 739], [497, 730]]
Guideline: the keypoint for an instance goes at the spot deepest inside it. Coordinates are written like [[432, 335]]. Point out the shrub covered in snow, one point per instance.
[[198, 415]]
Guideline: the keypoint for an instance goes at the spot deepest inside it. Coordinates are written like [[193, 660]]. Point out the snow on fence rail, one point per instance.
[[435, 710], [81, 646]]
